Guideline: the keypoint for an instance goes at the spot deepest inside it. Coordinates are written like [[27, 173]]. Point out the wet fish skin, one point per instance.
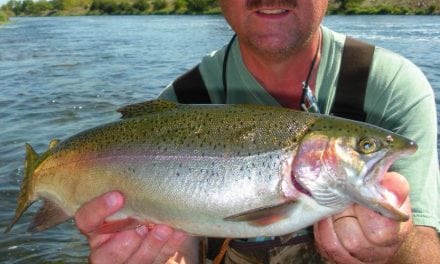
[[211, 170]]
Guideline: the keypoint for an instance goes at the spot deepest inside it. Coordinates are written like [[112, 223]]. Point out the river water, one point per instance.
[[60, 75]]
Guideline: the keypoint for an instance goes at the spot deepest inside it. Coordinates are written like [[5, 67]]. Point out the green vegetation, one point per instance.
[[110, 7], [375, 7], [3, 17], [135, 7]]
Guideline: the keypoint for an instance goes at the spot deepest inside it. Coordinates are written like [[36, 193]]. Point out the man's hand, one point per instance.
[[139, 245], [359, 235]]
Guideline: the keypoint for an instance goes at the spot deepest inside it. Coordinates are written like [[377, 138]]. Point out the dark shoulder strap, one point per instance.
[[353, 77], [190, 88]]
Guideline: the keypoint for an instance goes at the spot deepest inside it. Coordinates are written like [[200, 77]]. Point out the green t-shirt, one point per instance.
[[398, 98]]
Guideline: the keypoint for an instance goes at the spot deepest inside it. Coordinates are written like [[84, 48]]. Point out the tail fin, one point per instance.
[[25, 197]]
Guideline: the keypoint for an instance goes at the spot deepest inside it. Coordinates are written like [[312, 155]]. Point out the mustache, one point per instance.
[[255, 4]]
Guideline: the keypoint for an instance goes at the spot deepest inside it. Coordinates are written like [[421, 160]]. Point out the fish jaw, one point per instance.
[[372, 194]]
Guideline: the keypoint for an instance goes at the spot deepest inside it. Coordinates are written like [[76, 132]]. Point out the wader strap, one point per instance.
[[190, 88], [353, 77]]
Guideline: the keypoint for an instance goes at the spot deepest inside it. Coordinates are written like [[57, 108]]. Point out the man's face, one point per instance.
[[274, 27]]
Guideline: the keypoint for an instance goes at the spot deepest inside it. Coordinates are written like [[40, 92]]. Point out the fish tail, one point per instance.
[[26, 191]]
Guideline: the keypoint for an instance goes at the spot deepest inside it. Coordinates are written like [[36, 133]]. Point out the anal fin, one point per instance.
[[114, 226], [49, 215]]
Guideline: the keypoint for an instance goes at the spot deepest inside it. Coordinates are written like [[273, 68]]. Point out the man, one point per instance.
[[279, 44]]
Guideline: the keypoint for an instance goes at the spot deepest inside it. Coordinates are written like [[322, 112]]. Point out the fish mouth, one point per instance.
[[370, 193]]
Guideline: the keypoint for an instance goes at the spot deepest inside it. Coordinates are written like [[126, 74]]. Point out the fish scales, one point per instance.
[[211, 170], [213, 129]]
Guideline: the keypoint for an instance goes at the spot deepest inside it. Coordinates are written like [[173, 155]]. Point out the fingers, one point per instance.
[[329, 244], [119, 248], [354, 240], [381, 230], [93, 213], [139, 245], [160, 245], [170, 248], [359, 234]]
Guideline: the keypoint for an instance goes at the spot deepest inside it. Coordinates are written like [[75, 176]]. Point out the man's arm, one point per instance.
[[421, 246]]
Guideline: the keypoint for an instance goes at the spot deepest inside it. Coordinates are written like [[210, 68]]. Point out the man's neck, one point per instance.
[[283, 78]]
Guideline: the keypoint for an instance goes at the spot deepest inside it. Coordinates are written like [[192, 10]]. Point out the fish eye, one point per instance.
[[368, 145]]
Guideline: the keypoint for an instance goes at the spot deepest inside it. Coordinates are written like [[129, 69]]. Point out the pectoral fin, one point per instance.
[[265, 215]]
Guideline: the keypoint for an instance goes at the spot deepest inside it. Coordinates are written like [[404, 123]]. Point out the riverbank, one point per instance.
[[163, 7], [3, 17], [384, 7]]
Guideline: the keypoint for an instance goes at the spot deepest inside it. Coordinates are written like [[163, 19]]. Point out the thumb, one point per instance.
[[396, 184], [92, 214]]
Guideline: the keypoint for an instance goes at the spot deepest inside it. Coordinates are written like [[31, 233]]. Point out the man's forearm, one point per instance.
[[421, 246]]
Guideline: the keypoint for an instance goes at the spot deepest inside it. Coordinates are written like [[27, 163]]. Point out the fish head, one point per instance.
[[340, 162]]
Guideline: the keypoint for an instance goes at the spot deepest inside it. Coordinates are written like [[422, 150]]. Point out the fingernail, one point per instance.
[[162, 233], [142, 230], [112, 199]]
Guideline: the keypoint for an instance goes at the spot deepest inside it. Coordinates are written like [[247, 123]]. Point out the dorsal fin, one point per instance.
[[146, 107], [53, 143]]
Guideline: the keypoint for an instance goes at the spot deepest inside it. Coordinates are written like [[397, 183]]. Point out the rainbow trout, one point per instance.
[[216, 170]]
